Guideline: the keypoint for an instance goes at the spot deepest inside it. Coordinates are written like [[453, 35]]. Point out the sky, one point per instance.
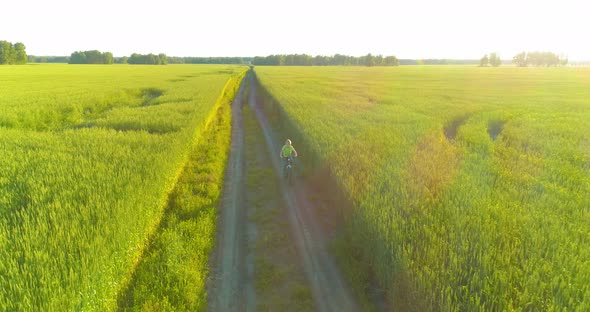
[[458, 29]]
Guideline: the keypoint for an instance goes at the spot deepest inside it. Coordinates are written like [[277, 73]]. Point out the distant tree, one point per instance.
[[538, 59], [149, 59], [258, 60], [495, 60], [6, 52], [94, 57], [20, 53], [108, 58], [134, 59], [369, 60], [289, 60], [520, 59], [563, 61], [91, 57], [176, 60], [321, 60], [303, 60], [48, 59], [153, 59], [120, 60], [163, 58], [553, 59], [339, 59], [5, 47], [484, 61], [378, 60], [278, 60], [78, 57], [550, 59], [391, 61], [535, 58], [58, 59]]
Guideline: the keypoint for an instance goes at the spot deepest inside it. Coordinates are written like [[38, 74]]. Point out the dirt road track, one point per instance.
[[231, 284], [229, 290], [327, 284]]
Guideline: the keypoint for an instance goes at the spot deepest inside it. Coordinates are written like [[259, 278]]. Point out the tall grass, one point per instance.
[[471, 186], [86, 168]]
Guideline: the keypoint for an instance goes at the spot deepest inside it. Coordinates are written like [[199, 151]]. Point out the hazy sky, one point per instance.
[[407, 29]]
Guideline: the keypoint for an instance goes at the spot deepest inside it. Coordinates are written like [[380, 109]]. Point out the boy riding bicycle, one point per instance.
[[287, 152]]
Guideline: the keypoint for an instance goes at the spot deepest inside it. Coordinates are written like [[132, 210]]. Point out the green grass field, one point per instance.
[[471, 186], [88, 157]]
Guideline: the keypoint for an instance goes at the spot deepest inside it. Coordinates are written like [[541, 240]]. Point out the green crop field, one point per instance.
[[471, 186], [88, 157]]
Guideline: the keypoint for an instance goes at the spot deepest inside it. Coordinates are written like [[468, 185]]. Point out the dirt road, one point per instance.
[[240, 269], [227, 289], [329, 290]]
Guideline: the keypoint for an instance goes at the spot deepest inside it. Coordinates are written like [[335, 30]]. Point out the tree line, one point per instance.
[[16, 54], [48, 59], [320, 60], [149, 59], [209, 60], [163, 59], [97, 57], [437, 62], [524, 59], [493, 59], [12, 54], [91, 57]]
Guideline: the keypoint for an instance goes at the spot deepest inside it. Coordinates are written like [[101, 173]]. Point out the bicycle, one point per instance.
[[288, 170]]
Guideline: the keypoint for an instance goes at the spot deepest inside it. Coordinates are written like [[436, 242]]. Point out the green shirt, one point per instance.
[[287, 150]]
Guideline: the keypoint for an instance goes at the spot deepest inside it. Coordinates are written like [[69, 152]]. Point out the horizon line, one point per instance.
[[235, 56]]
